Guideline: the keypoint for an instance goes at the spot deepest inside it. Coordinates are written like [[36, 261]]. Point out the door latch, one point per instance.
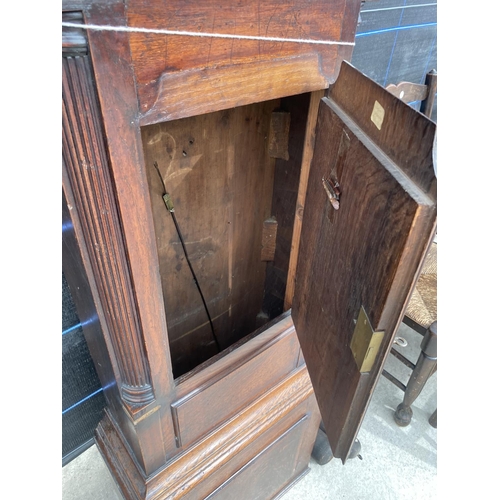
[[332, 188]]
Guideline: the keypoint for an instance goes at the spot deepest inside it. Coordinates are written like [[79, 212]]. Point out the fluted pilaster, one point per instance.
[[85, 159]]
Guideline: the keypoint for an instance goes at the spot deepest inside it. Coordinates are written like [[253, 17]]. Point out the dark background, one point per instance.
[[395, 41]]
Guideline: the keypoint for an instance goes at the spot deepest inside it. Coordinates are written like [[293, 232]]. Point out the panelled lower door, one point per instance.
[[369, 216]]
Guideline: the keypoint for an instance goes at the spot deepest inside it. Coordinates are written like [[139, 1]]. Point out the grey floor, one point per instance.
[[397, 463]]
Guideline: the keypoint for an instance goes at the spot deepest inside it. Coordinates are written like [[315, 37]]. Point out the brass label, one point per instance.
[[378, 114], [365, 342]]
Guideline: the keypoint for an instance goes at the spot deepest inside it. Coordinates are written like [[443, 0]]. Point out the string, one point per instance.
[[127, 29]]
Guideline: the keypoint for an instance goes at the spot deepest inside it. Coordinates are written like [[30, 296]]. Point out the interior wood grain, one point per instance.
[[220, 176]]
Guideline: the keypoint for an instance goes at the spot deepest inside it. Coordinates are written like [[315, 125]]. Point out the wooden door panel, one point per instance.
[[363, 252], [219, 397]]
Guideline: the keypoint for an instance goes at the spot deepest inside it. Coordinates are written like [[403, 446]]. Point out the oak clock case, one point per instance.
[[270, 184]]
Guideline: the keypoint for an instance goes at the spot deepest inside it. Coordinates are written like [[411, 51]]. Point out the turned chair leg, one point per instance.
[[425, 367]]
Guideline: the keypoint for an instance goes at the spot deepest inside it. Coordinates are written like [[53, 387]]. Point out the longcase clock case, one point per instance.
[[303, 198]]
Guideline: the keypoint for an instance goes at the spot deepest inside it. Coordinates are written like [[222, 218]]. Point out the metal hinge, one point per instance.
[[365, 342]]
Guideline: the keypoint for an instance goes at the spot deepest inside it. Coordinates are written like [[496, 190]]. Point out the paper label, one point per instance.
[[378, 115]]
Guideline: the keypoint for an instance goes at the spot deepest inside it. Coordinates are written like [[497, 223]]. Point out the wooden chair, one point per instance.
[[421, 316], [421, 312], [414, 92]]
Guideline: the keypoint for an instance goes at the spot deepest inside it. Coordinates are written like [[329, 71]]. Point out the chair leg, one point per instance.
[[424, 368]]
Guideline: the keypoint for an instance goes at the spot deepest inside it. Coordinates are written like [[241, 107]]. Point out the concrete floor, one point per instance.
[[397, 463]]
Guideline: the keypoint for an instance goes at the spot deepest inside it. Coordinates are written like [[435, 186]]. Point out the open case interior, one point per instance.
[[233, 177]]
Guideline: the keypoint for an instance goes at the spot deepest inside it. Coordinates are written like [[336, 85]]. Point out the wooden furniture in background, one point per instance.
[[426, 365], [416, 92], [421, 312], [421, 315], [242, 133]]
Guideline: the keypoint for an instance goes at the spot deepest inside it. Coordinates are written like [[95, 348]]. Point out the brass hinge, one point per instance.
[[365, 342]]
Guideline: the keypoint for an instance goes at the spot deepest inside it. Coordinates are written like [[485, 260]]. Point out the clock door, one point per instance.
[[369, 216]]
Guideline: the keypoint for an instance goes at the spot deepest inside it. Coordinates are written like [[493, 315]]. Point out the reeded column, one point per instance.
[[85, 160]]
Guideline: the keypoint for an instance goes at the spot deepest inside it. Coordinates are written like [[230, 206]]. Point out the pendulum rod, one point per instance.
[[170, 207]]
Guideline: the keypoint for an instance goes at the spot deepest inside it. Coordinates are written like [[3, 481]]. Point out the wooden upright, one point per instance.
[[294, 180]]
